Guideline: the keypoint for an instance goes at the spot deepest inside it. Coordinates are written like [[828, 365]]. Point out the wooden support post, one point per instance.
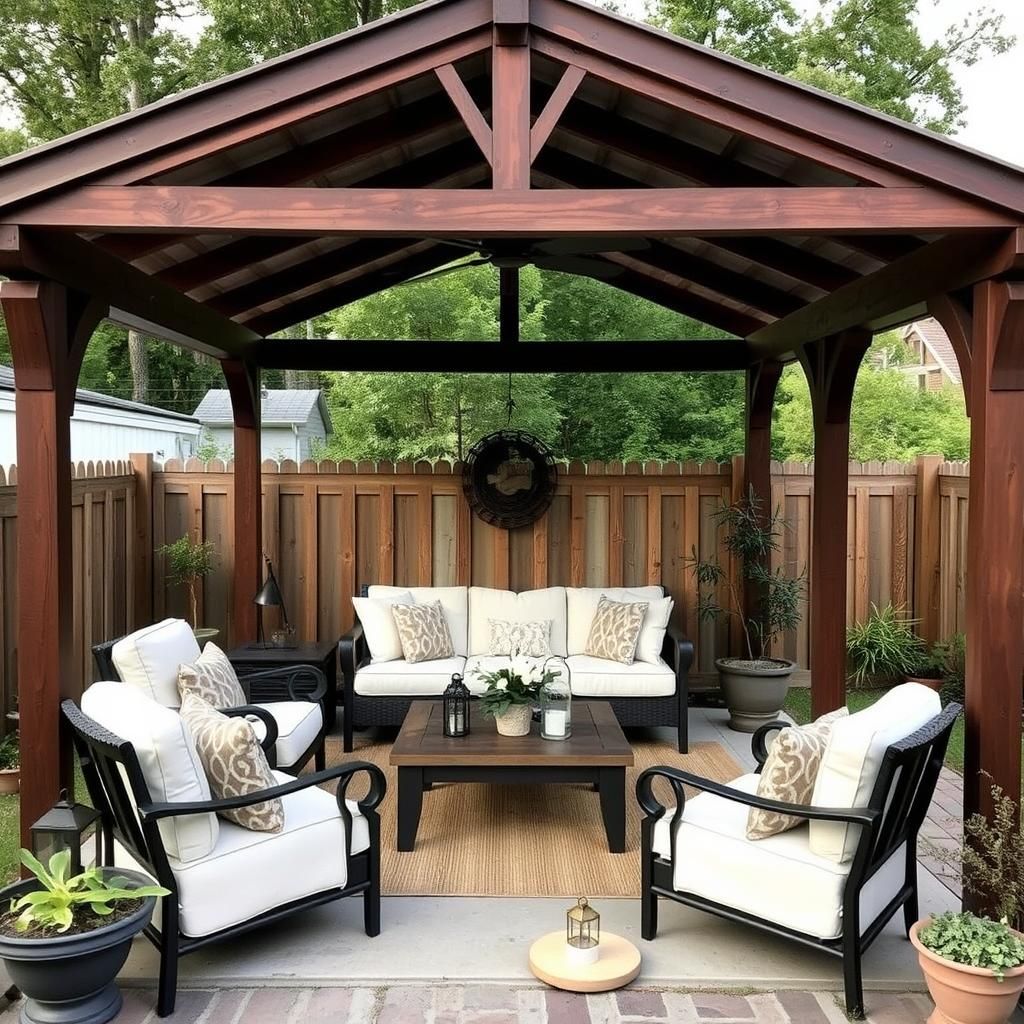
[[510, 101], [244, 385], [927, 539], [995, 548], [49, 329], [508, 307], [141, 611], [831, 366]]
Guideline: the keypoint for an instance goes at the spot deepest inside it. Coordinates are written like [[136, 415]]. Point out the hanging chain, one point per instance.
[[510, 404]]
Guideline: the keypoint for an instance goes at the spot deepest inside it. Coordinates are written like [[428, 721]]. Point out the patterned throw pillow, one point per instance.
[[213, 678], [789, 773], [234, 763], [424, 632], [615, 630], [520, 639]]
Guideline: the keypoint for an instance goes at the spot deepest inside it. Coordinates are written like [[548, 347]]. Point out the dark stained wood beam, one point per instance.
[[511, 22], [493, 357], [514, 213], [510, 95], [475, 122], [956, 319], [549, 117]]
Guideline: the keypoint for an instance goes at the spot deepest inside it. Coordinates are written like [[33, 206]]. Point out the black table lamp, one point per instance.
[[269, 596]]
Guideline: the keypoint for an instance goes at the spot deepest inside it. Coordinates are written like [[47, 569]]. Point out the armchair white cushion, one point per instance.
[[530, 606], [148, 659], [167, 755], [298, 722], [454, 602], [596, 677]]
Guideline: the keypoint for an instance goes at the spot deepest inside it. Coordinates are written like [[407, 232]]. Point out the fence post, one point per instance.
[[927, 537], [141, 565]]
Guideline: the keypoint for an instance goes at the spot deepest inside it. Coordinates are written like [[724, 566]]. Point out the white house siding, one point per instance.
[[276, 442]]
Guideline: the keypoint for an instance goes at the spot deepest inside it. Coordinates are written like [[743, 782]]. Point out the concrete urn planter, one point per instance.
[[964, 994], [754, 691]]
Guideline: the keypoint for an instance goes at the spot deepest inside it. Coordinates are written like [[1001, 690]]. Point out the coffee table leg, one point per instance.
[[612, 787], [410, 803]]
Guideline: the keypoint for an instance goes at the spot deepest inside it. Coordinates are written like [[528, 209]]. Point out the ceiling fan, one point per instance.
[[567, 255]]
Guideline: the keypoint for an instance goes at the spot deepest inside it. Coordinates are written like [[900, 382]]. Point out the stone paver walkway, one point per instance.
[[492, 1004]]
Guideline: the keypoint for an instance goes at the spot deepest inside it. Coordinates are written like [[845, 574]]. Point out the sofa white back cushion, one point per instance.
[[148, 659], [454, 603], [652, 632], [168, 759], [379, 625], [581, 604], [853, 757], [530, 606]]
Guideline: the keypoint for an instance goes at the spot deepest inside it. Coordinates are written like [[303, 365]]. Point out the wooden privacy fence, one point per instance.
[[332, 528]]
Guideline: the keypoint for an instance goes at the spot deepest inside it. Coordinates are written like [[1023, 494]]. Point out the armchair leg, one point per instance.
[[911, 914], [371, 898], [852, 979], [167, 992], [649, 915], [320, 757]]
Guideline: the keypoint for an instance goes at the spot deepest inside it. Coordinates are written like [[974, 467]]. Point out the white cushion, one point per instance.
[[581, 606], [853, 758], [454, 601], [530, 606], [492, 662], [249, 873], [402, 679], [779, 879], [170, 765], [652, 632], [379, 625], [596, 677], [298, 722], [149, 658]]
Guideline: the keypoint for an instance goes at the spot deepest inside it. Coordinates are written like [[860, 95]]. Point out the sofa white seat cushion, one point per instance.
[[167, 756], [148, 659], [852, 760], [405, 679], [581, 606], [529, 606], [596, 677], [477, 663], [778, 879], [454, 602], [298, 723], [248, 873]]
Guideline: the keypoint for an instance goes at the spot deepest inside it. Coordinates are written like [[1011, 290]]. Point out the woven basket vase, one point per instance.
[[516, 721]]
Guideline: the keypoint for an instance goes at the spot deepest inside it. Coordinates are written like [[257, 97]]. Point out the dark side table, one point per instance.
[[321, 654]]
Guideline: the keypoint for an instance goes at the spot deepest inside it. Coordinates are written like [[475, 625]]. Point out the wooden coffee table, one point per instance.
[[597, 753]]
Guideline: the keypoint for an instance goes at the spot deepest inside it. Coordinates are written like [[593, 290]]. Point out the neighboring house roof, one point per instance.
[[96, 400], [277, 408], [937, 342]]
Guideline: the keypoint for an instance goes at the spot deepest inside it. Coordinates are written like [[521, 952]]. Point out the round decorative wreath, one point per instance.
[[509, 478]]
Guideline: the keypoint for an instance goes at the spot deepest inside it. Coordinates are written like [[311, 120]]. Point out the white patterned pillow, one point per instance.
[[212, 677], [789, 773], [424, 632], [520, 639], [234, 763], [615, 630]]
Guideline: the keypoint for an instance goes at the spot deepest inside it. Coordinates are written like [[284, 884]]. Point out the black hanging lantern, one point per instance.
[[455, 707], [64, 827]]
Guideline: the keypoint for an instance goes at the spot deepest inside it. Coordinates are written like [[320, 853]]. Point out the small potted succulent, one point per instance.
[[512, 693], [10, 764], [883, 649], [64, 938], [188, 562], [974, 966], [754, 685]]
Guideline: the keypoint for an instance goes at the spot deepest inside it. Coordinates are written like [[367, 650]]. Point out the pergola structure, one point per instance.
[[794, 221]]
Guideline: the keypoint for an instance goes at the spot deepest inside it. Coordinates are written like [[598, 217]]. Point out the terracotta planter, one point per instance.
[[516, 721], [10, 781], [753, 692], [966, 995], [932, 684]]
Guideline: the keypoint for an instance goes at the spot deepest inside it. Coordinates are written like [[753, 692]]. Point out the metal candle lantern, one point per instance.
[[556, 709], [582, 933], [455, 708], [64, 827]]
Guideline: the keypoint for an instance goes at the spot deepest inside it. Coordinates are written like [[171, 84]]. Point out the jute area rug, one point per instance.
[[489, 840]]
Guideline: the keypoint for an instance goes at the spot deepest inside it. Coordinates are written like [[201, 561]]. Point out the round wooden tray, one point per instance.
[[618, 964]]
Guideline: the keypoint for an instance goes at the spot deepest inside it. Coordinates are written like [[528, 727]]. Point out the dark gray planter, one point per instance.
[[69, 979], [753, 694]]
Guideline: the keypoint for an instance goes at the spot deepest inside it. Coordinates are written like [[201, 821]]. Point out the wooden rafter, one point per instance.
[[475, 122], [549, 117]]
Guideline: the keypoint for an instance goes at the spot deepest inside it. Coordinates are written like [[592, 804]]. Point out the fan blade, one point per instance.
[[579, 265], [461, 243], [581, 246], [450, 269]]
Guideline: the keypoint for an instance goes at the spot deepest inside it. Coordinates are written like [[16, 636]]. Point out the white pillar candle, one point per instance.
[[577, 957], [554, 723]]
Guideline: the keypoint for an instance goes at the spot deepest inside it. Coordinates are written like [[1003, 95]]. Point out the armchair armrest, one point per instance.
[[351, 652], [269, 741], [677, 650], [759, 741], [290, 675]]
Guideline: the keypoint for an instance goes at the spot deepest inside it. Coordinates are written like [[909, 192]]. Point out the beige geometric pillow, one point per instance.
[[424, 632], [615, 630], [789, 773], [519, 639], [213, 678], [234, 763]]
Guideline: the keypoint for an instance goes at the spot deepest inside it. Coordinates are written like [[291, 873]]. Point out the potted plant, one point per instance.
[[974, 966], [883, 649], [930, 668], [187, 563], [10, 764], [63, 939], [754, 686], [512, 693]]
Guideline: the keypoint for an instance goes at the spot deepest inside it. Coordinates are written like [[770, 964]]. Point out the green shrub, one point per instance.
[[953, 653], [883, 649], [973, 941], [10, 752], [188, 561]]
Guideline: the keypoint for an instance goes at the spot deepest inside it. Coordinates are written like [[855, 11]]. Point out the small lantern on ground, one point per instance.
[[64, 827], [555, 709], [582, 933], [455, 708]]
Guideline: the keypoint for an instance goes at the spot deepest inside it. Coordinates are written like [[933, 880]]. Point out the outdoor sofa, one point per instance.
[[651, 691]]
